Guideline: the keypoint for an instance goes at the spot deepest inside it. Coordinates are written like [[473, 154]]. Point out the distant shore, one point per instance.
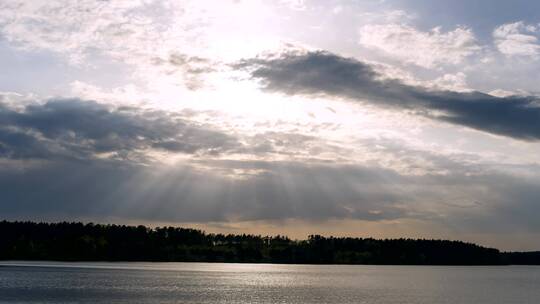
[[71, 242]]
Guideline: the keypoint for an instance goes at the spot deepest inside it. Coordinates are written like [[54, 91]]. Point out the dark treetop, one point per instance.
[[92, 242]]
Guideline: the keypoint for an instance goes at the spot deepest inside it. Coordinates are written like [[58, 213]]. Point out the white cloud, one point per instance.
[[506, 93], [161, 41], [299, 5], [426, 49], [122, 29], [337, 9], [517, 39], [447, 81], [167, 46], [453, 82]]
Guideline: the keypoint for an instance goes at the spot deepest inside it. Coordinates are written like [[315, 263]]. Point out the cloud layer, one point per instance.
[[518, 39], [425, 49], [78, 159], [79, 129], [267, 191], [318, 72], [177, 133]]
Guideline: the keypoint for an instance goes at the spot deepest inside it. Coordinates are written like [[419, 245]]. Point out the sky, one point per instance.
[[367, 118]]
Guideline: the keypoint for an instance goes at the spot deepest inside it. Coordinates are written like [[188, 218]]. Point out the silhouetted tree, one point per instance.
[[94, 242]]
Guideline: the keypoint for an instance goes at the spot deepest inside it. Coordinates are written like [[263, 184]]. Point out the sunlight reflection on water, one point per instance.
[[53, 282]]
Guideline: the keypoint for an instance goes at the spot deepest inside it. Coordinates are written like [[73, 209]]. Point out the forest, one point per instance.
[[96, 242]]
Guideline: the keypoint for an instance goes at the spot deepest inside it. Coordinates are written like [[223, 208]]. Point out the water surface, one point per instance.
[[52, 282]]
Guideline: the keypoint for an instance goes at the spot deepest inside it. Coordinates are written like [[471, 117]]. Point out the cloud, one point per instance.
[[281, 190], [298, 5], [81, 129], [51, 169], [189, 68], [127, 34], [77, 30], [518, 39], [84, 159], [200, 192], [323, 73], [426, 49]]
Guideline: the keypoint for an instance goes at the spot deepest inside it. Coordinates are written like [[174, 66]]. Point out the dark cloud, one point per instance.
[[201, 192], [323, 73], [42, 176], [56, 170], [78, 129], [230, 191]]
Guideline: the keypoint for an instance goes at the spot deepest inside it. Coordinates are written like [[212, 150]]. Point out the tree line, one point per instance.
[[95, 242]]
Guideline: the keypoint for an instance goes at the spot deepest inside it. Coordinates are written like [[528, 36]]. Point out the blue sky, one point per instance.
[[362, 118]]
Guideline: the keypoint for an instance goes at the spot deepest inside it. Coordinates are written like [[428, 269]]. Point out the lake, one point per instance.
[[53, 282]]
